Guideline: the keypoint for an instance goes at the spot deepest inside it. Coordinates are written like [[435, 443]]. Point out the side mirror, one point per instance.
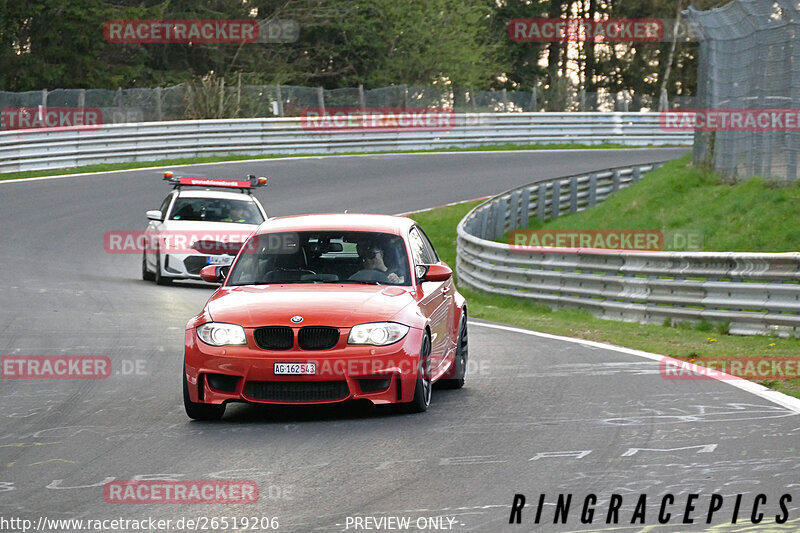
[[435, 273], [156, 215], [214, 273]]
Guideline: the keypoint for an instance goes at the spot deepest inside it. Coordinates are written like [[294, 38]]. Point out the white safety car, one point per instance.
[[202, 221]]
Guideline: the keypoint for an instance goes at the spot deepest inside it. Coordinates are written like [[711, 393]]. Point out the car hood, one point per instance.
[[337, 305], [210, 227]]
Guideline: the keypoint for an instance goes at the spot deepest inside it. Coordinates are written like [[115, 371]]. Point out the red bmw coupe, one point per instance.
[[323, 309]]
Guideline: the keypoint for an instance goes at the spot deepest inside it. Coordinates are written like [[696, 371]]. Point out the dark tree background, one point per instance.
[[343, 43]]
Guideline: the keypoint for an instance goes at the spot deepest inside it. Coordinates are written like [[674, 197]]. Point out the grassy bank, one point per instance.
[[703, 341], [755, 216]]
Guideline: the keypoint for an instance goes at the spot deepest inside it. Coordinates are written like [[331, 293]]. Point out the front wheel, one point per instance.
[[199, 411], [424, 385], [160, 280], [146, 274], [462, 353]]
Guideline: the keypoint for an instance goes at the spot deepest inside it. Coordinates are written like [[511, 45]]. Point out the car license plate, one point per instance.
[[219, 259], [295, 369]]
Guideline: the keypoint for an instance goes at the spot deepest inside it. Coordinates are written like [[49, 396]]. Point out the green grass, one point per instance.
[[754, 216], [682, 341], [216, 159]]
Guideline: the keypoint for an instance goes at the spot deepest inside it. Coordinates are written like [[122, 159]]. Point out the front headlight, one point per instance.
[[377, 333], [217, 334]]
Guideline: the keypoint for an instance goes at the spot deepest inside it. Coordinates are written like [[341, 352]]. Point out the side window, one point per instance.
[[165, 205], [421, 253], [429, 246]]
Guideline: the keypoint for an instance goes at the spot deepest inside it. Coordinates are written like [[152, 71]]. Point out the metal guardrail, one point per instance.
[[39, 149], [755, 292]]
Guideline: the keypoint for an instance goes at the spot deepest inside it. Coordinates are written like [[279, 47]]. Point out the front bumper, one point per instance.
[[381, 374], [188, 266]]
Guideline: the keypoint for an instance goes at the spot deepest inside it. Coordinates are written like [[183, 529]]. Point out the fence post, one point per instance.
[[221, 109], [280, 99], [321, 98], [484, 222], [159, 110], [500, 210], [44, 98], [505, 100], [405, 96], [592, 190], [362, 99], [81, 98], [534, 103], [573, 194], [526, 205], [541, 202], [515, 210], [555, 204]]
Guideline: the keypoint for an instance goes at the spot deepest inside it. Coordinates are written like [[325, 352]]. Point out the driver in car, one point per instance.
[[374, 268], [238, 213]]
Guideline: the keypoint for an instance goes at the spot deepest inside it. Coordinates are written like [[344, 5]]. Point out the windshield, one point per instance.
[[322, 257], [216, 210]]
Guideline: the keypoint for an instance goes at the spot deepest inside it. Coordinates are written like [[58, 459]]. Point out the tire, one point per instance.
[[462, 355], [160, 280], [424, 386], [199, 411], [146, 274]]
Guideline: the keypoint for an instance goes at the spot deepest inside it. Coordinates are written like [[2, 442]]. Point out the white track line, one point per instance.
[[271, 159], [789, 402]]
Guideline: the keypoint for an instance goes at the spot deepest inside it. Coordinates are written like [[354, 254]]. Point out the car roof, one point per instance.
[[338, 222], [205, 193]]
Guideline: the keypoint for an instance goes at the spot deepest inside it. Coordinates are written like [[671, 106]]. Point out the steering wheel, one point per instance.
[[370, 274], [295, 270]]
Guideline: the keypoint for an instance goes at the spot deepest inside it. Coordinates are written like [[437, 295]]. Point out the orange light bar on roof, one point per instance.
[[210, 182]]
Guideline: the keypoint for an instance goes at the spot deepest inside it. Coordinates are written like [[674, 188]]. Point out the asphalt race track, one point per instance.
[[538, 415]]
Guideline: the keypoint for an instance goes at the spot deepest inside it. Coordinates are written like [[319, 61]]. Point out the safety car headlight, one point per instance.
[[218, 334], [377, 333]]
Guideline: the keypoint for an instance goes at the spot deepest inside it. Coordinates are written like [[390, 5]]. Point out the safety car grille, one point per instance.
[[317, 337], [274, 337], [194, 264], [296, 391]]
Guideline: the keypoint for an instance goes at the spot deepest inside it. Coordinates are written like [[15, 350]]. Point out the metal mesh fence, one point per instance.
[[214, 99], [749, 66]]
